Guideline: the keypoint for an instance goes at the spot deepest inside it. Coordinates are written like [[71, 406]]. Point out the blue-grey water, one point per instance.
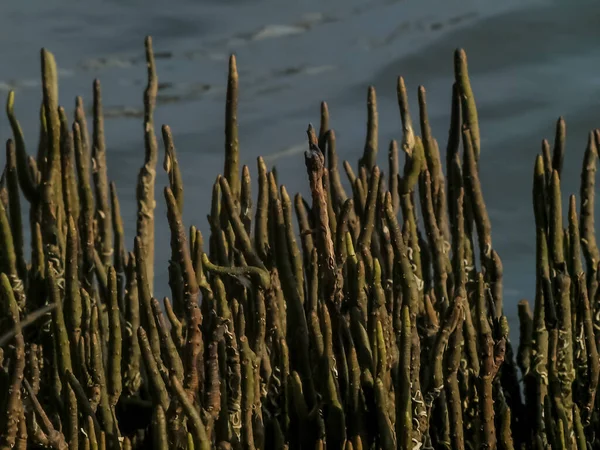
[[530, 61]]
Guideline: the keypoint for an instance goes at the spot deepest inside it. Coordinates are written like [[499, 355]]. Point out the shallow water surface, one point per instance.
[[530, 61]]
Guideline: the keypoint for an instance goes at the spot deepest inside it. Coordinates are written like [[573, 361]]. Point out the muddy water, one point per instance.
[[530, 61]]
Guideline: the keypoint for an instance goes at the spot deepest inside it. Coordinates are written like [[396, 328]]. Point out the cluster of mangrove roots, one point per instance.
[[370, 325]]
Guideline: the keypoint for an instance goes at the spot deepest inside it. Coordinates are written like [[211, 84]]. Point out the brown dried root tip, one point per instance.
[[312, 137], [324, 125]]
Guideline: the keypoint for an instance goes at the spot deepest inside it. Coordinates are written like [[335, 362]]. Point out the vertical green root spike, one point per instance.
[[14, 201], [72, 306], [115, 340], [11, 415], [369, 158], [368, 226], [593, 364], [67, 160], [324, 125], [468, 101], [238, 225], [8, 258], [147, 175], [193, 358], [455, 407], [525, 338], [156, 384], [261, 236], [587, 194], [131, 348], [415, 162], [171, 166], [558, 155], [409, 287], [169, 350], [27, 180], [386, 432], [473, 190], [63, 357], [294, 252], [198, 429], [82, 122], [145, 298], [393, 162], [120, 256], [408, 138], [403, 391], [100, 176], [338, 193], [556, 223], [246, 199], [159, 429], [315, 165], [86, 217], [50, 91], [232, 150]]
